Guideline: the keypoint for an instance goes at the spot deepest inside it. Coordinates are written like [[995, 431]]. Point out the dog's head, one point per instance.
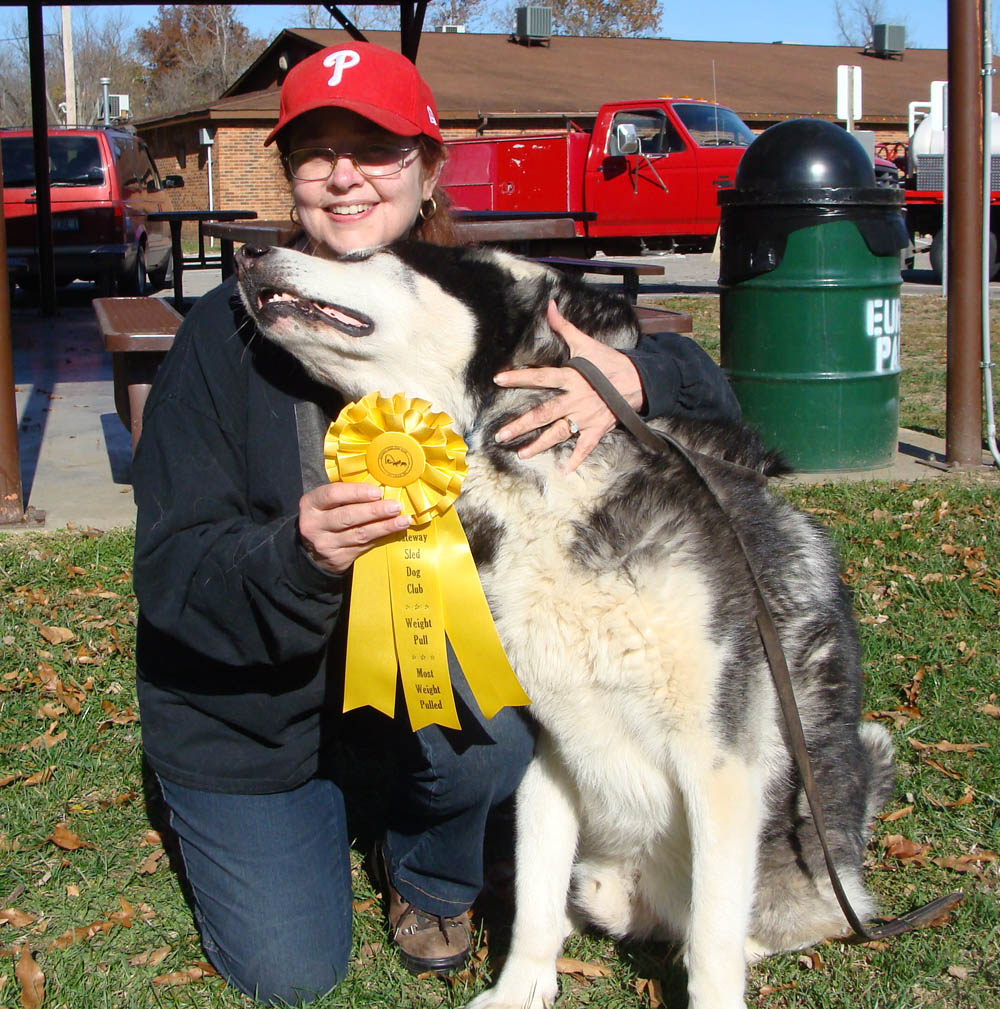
[[430, 322]]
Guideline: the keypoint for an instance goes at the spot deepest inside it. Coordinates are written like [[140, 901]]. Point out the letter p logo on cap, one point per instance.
[[341, 60]]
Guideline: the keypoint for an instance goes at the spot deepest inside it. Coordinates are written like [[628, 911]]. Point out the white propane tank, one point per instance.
[[928, 141]]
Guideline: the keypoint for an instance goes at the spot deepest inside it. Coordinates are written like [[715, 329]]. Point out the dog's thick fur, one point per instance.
[[662, 800]]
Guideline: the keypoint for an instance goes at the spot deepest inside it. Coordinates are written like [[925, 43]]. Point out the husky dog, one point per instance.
[[662, 800]]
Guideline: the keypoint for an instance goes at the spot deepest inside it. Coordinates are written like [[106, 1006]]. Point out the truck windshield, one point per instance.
[[714, 126], [73, 161]]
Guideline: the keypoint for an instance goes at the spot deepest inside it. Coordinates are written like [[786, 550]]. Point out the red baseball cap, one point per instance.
[[375, 82]]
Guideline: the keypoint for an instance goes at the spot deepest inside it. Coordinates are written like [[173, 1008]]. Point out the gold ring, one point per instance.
[[574, 428]]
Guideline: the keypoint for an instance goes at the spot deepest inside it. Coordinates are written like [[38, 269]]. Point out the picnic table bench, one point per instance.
[[137, 333]]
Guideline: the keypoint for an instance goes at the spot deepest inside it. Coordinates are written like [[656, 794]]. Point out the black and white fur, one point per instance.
[[662, 799]]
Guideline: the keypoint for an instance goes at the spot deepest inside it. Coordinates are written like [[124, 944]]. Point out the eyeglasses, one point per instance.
[[374, 160]]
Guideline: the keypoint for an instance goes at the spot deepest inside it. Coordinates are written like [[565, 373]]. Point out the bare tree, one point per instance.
[[102, 48], [624, 18], [856, 19], [363, 16]]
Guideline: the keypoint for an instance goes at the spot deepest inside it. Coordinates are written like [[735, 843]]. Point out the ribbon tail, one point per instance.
[[470, 626], [370, 668], [418, 626]]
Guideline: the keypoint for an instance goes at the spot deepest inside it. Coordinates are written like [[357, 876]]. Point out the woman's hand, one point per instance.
[[576, 401], [340, 521]]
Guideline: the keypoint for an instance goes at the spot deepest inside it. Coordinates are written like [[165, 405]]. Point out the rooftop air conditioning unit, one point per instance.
[[533, 24], [888, 40], [451, 29], [117, 107]]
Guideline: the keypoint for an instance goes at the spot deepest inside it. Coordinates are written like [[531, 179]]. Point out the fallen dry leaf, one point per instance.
[[31, 979], [569, 965], [945, 747], [770, 989], [63, 837], [151, 837], [17, 918], [912, 690], [896, 814], [72, 890], [148, 866], [196, 973], [957, 971], [82, 933], [947, 771], [964, 800], [653, 987], [902, 848], [39, 777], [151, 957], [56, 635], [8, 778], [992, 710]]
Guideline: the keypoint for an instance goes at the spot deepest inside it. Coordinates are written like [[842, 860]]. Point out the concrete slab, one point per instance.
[[75, 454]]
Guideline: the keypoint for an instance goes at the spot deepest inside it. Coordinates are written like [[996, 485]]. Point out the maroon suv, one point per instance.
[[104, 183]]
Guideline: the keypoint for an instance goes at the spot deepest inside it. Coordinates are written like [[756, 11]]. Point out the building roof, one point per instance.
[[477, 75]]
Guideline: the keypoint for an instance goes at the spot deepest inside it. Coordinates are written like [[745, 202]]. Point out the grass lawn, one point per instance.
[[91, 910]]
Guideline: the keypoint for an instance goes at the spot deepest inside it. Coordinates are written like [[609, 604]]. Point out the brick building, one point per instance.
[[489, 84]]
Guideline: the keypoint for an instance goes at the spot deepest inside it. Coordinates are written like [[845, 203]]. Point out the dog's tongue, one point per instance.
[[341, 317], [334, 313]]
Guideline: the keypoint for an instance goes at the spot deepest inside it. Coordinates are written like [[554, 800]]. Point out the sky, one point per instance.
[[807, 21]]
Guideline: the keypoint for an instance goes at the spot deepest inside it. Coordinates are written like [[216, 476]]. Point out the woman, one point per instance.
[[243, 551]]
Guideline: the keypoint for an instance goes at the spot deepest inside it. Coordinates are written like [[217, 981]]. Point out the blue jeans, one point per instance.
[[271, 874]]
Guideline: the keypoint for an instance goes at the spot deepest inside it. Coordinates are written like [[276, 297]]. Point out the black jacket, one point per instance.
[[239, 647]]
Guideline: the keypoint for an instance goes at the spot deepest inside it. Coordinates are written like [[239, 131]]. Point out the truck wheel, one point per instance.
[[937, 255]]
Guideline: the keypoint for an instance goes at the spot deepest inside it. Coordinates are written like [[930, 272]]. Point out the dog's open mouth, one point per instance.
[[271, 301]]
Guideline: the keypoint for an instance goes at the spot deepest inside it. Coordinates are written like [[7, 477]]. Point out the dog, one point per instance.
[[662, 800]]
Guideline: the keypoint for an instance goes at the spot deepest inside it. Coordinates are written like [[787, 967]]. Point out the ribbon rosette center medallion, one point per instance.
[[412, 589]]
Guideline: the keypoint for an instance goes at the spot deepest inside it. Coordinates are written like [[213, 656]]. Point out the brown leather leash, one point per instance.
[[657, 441]]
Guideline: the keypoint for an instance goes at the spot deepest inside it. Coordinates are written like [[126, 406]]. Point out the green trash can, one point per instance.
[[810, 297]]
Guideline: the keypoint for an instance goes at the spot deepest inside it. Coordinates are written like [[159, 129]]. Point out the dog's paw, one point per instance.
[[524, 993]]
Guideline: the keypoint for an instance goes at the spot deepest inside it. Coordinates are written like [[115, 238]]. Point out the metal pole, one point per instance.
[[964, 414], [988, 237], [11, 499], [105, 83], [40, 131], [69, 69]]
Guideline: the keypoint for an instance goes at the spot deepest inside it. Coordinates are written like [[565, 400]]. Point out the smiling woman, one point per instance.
[[244, 547]]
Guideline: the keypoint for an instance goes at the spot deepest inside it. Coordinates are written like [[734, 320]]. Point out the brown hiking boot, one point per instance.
[[426, 942]]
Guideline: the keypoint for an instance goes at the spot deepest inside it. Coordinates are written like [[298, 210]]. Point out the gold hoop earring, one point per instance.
[[293, 215], [427, 212]]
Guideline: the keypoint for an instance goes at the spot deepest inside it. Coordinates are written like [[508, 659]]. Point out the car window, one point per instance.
[[656, 133], [714, 126], [125, 165], [18, 161], [146, 169], [73, 161]]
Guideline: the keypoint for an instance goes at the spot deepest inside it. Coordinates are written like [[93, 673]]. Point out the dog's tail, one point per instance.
[[878, 746]]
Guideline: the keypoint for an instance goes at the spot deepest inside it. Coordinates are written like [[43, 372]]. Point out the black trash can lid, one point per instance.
[[807, 161]]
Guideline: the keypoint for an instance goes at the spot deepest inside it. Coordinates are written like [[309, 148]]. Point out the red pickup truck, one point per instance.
[[646, 177]]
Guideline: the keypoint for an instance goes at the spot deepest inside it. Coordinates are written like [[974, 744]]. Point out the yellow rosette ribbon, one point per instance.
[[414, 588]]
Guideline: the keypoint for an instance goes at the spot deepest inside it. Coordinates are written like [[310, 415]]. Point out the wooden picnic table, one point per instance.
[[176, 219]]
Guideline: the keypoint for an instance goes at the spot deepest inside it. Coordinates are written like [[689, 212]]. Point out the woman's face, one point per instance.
[[349, 211]]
